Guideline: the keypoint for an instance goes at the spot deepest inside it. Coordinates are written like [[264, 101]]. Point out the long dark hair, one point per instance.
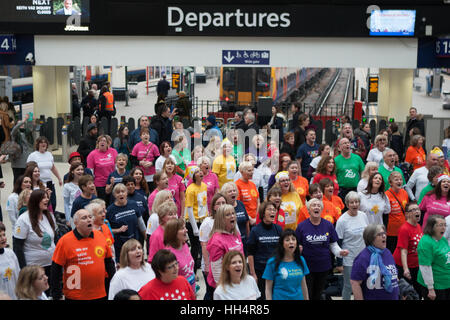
[[18, 184], [437, 191], [29, 171], [34, 211], [122, 137], [73, 166], [279, 251], [370, 183]]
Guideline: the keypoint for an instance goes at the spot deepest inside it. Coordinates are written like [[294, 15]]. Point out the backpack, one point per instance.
[[12, 149]]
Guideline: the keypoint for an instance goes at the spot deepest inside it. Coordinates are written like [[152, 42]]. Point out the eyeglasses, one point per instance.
[[441, 225], [380, 234], [414, 210], [173, 265]]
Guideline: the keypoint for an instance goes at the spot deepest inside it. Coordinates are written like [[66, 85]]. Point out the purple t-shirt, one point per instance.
[[176, 186], [360, 273], [316, 242]]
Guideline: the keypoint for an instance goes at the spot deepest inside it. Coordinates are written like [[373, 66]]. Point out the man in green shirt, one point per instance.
[[348, 168], [388, 166]]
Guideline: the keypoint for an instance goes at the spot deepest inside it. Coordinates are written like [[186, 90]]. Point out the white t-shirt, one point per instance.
[[70, 192], [362, 185], [419, 179], [204, 231], [350, 230], [37, 250], [9, 272], [45, 163], [375, 155], [247, 289], [128, 278], [12, 208], [315, 162], [152, 223], [374, 206]]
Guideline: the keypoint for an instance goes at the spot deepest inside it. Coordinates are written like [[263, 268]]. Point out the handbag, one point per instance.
[[12, 149]]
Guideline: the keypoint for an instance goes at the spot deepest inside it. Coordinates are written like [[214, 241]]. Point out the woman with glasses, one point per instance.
[[374, 274], [434, 255], [167, 285], [376, 154], [405, 255]]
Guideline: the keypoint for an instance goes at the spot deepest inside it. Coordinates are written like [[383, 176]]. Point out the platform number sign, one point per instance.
[[373, 89], [443, 48], [7, 44]]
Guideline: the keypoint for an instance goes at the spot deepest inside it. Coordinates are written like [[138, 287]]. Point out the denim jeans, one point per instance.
[[347, 287]]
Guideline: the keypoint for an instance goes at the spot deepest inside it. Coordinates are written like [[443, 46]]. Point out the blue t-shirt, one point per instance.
[[124, 215], [80, 203], [242, 218], [262, 243], [316, 242], [287, 279], [375, 291], [141, 202], [307, 153]]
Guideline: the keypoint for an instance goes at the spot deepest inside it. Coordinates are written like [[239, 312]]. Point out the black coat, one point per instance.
[[163, 87], [87, 144], [89, 104], [419, 123], [163, 126], [396, 144]]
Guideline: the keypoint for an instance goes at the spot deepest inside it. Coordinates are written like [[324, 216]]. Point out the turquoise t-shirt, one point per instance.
[[287, 279], [437, 255]]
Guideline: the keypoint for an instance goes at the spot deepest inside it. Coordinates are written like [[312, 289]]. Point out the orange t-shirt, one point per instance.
[[329, 212], [108, 235], [337, 202], [83, 262], [302, 187], [249, 195], [415, 157], [396, 216]]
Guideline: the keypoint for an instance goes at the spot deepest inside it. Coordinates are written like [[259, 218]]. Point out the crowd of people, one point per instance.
[[269, 218]]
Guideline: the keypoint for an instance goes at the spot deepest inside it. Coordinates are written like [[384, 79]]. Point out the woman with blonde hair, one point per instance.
[[370, 168], [175, 184], [224, 165], [235, 283], [224, 237], [291, 203], [166, 211], [376, 153], [134, 271], [32, 283], [22, 203]]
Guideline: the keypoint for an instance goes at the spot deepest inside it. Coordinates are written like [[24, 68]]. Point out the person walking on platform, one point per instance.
[[415, 121], [162, 88], [106, 105], [89, 104], [184, 108]]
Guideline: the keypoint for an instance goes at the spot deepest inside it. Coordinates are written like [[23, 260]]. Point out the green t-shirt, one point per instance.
[[437, 255], [424, 191], [348, 171], [385, 173], [182, 158]]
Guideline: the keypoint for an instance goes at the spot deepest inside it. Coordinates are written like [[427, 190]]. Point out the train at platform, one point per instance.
[[242, 86]]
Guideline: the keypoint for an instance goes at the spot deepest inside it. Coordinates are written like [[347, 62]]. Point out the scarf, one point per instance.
[[377, 266]]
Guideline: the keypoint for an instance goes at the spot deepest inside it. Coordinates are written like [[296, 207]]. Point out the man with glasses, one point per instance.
[[388, 166]]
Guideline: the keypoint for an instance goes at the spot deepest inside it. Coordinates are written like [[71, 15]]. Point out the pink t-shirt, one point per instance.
[[156, 243], [218, 246], [185, 263], [151, 198], [102, 163], [176, 186], [147, 152], [432, 206], [212, 184]]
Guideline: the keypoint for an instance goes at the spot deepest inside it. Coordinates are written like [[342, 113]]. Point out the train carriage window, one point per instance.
[[229, 76], [262, 79]]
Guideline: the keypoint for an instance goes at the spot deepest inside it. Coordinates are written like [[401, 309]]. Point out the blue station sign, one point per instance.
[[246, 57]]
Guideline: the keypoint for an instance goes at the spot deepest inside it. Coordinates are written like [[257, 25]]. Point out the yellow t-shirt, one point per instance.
[[291, 205], [224, 168], [197, 198]]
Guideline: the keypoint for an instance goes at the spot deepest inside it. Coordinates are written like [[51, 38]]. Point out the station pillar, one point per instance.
[[395, 93], [51, 91]]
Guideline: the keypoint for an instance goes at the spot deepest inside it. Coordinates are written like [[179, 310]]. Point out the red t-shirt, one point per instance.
[[320, 176], [178, 289], [396, 216], [408, 238], [84, 265]]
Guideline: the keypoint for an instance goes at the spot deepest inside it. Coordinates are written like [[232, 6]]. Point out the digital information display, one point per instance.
[[392, 22], [44, 10]]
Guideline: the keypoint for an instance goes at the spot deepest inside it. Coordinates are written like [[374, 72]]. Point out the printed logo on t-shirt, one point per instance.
[[7, 275], [349, 174], [99, 252], [176, 295]]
